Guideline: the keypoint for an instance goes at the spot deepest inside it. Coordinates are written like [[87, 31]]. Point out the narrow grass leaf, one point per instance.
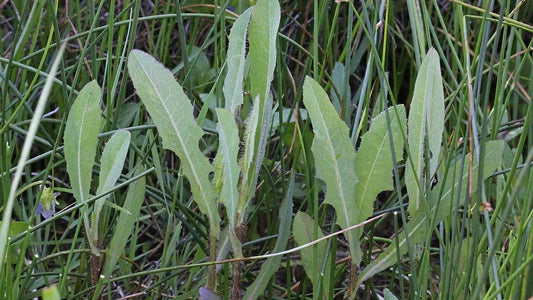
[[426, 121], [271, 265], [112, 162], [373, 160], [334, 159], [303, 231], [228, 151], [418, 226], [233, 84], [172, 114], [124, 226]]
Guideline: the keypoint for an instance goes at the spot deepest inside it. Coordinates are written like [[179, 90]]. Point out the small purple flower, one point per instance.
[[47, 206]]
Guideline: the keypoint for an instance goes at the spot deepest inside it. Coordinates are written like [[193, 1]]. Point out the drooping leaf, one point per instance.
[[172, 113], [51, 293], [228, 151], [271, 265], [334, 159], [454, 185], [426, 122], [112, 162], [233, 84], [373, 160], [303, 231], [81, 139], [125, 223]]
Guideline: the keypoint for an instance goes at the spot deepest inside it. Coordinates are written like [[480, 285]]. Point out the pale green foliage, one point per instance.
[[111, 163], [81, 140], [172, 113], [373, 161], [233, 83], [449, 188], [228, 171], [334, 159], [126, 221], [426, 122], [303, 231]]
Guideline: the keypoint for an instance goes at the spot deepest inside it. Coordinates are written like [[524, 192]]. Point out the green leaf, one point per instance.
[[262, 37], [228, 151], [172, 113], [81, 139], [453, 185], [124, 226], [373, 160], [233, 84], [334, 159], [111, 163], [426, 122], [271, 265], [303, 232]]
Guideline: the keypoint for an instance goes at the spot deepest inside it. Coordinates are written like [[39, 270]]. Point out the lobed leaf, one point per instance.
[[172, 114], [334, 159]]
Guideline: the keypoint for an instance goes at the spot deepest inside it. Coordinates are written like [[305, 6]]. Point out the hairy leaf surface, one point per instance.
[[334, 159], [426, 122], [172, 113]]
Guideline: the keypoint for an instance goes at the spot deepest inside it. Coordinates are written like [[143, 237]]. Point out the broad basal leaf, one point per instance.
[[172, 113], [373, 161], [233, 84], [455, 185], [426, 122], [334, 159], [81, 139]]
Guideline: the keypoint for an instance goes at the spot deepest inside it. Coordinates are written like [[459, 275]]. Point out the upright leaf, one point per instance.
[[228, 150], [455, 184], [233, 84], [111, 163], [426, 122], [334, 159], [271, 265], [81, 139], [133, 203], [373, 160], [172, 113], [263, 31]]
